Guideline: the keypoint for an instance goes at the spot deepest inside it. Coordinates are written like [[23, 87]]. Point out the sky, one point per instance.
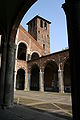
[[51, 10]]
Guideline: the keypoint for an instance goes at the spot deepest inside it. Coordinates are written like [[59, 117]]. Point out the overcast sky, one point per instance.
[[52, 11]]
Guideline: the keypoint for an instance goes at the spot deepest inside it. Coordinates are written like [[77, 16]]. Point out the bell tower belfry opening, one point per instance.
[[39, 29]]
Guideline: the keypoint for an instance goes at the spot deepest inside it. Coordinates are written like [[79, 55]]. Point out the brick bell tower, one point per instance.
[[39, 28]]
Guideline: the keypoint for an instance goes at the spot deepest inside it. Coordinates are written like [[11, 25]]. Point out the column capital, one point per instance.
[[60, 67], [42, 69]]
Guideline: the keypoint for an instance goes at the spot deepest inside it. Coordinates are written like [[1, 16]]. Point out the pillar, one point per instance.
[[72, 11], [26, 55], [9, 79], [15, 73], [41, 80], [3, 68], [61, 83], [28, 84]]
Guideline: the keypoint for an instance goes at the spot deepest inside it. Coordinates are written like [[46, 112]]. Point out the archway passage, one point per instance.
[[67, 77], [34, 82], [20, 79], [34, 56], [22, 49], [51, 77]]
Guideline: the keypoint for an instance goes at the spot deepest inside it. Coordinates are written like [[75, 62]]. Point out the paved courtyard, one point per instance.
[[38, 106], [20, 112], [51, 103]]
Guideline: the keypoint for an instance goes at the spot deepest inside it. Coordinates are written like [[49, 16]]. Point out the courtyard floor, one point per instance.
[[38, 106], [53, 104]]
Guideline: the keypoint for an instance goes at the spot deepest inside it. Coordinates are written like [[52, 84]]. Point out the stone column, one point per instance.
[[15, 71], [9, 79], [28, 85], [3, 69], [26, 82], [41, 80], [61, 83], [72, 11], [26, 55]]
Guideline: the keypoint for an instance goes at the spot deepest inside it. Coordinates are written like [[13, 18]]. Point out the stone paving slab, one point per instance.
[[20, 112], [46, 106], [24, 100], [45, 96]]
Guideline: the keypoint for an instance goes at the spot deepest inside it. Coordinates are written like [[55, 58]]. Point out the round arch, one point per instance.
[[20, 79], [22, 49], [21, 11], [21, 41], [51, 77], [49, 61], [36, 52], [34, 56], [34, 81], [21, 67]]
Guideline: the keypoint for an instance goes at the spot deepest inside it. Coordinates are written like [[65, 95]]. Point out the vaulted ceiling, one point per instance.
[[10, 10]]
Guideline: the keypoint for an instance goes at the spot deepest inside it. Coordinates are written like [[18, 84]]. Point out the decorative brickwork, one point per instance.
[[58, 58]]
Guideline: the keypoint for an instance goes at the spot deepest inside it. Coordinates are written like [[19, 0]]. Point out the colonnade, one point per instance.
[[41, 80]]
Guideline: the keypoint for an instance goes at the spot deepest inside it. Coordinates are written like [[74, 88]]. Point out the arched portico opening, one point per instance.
[[34, 81], [67, 76], [22, 49], [20, 79], [34, 56], [51, 77]]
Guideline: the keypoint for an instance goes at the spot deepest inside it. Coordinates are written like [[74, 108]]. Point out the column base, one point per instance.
[[61, 92], [3, 106], [41, 90], [26, 90], [14, 90]]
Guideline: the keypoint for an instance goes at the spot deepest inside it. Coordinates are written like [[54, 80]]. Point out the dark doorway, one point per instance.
[[51, 77], [22, 49], [20, 79], [67, 77], [34, 56], [34, 82]]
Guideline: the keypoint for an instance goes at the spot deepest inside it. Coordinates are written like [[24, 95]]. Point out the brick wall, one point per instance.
[[32, 44], [58, 58]]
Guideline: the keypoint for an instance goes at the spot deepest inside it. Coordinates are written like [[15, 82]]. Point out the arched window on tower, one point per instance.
[[45, 25], [41, 23], [22, 49]]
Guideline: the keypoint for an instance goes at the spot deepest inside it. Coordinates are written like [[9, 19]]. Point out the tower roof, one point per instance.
[[37, 16]]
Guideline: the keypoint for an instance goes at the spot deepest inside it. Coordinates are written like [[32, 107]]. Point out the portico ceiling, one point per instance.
[[10, 10]]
